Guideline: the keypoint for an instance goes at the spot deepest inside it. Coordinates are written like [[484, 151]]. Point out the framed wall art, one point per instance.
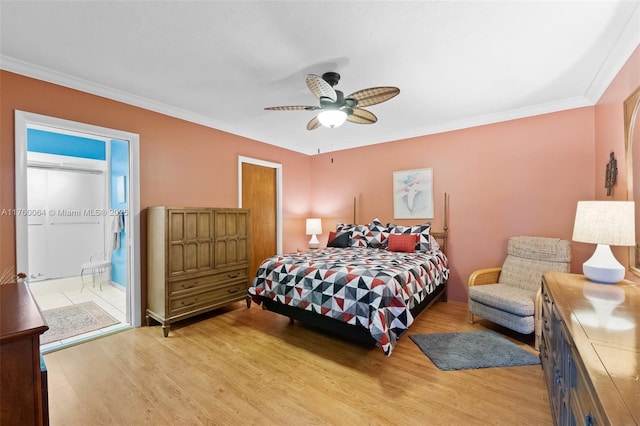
[[413, 194]]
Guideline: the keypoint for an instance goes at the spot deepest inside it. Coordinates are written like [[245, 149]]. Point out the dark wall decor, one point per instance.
[[611, 174]]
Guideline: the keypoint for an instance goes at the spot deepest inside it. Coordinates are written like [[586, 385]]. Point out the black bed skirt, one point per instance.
[[339, 328]]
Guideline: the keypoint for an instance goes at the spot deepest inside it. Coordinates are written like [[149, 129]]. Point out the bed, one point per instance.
[[367, 287]]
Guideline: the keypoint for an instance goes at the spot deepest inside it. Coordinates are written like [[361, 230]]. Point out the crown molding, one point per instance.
[[37, 72], [627, 42]]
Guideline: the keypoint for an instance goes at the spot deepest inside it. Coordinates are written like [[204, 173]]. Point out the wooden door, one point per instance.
[[259, 196]]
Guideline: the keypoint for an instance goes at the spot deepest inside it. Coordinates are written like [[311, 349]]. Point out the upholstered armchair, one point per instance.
[[510, 295]]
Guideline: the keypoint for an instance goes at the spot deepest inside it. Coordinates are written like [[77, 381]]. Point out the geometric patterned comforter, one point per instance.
[[373, 288]]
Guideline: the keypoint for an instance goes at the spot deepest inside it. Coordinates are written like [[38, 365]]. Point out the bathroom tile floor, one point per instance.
[[57, 293]]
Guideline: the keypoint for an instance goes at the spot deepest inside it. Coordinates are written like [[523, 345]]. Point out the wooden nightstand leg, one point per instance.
[[165, 330]]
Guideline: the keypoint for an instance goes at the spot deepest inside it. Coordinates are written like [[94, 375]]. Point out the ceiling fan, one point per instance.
[[334, 107]]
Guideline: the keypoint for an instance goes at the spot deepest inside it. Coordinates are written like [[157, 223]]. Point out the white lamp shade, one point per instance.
[[314, 226], [332, 118], [605, 222]]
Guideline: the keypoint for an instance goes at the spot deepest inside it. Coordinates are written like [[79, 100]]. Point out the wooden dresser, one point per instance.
[[22, 391], [197, 260], [590, 350]]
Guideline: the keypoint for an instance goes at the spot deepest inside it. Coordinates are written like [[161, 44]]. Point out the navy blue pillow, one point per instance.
[[342, 240]]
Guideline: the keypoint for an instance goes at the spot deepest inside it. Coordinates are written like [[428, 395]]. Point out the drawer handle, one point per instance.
[[195, 283], [233, 275], [190, 303], [230, 291], [589, 420]]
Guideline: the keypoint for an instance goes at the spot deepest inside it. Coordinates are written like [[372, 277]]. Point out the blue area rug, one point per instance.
[[469, 350]]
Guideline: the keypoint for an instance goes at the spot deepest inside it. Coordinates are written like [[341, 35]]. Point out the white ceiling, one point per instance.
[[219, 63]]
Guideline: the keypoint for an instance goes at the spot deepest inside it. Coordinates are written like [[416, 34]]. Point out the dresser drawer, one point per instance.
[[546, 302], [182, 287], [547, 329], [236, 290], [546, 319], [545, 361], [583, 406]]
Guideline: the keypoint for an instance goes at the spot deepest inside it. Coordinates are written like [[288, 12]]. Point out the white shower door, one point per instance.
[[67, 220]]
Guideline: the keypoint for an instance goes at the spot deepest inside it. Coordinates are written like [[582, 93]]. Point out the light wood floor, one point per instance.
[[249, 366]]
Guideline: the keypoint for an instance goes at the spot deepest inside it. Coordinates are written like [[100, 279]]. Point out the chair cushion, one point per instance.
[[514, 300], [540, 248], [524, 325], [529, 257]]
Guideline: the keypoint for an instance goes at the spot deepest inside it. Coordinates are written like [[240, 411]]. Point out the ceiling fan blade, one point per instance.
[[320, 88], [362, 116], [373, 95], [313, 124], [292, 108]]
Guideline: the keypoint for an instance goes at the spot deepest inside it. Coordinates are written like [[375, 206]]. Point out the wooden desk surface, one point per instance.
[[604, 326]]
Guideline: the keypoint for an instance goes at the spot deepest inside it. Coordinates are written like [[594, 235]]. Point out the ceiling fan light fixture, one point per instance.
[[332, 118], [334, 107]]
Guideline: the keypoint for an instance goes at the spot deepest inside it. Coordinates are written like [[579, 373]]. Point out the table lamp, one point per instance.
[[605, 223], [314, 226]]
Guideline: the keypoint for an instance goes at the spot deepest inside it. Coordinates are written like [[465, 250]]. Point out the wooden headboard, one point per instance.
[[444, 234]]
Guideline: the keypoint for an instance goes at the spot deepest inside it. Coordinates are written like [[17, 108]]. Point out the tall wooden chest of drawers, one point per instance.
[[197, 260]]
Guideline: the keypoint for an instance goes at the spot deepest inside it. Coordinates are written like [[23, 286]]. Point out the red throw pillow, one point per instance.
[[404, 243], [332, 236]]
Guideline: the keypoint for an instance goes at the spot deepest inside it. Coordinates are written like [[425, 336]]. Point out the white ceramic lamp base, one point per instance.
[[603, 267], [313, 242]]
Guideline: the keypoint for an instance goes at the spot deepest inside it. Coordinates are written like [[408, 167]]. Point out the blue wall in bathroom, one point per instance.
[[119, 167], [61, 144]]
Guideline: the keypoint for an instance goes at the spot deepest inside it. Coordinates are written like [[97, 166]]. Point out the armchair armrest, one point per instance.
[[481, 277], [484, 276], [537, 319]]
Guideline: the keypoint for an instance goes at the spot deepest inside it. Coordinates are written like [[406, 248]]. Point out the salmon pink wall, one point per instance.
[[609, 137], [181, 163], [521, 177]]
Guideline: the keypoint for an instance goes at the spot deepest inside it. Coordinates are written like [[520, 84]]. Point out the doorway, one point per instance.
[[260, 190], [85, 241]]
